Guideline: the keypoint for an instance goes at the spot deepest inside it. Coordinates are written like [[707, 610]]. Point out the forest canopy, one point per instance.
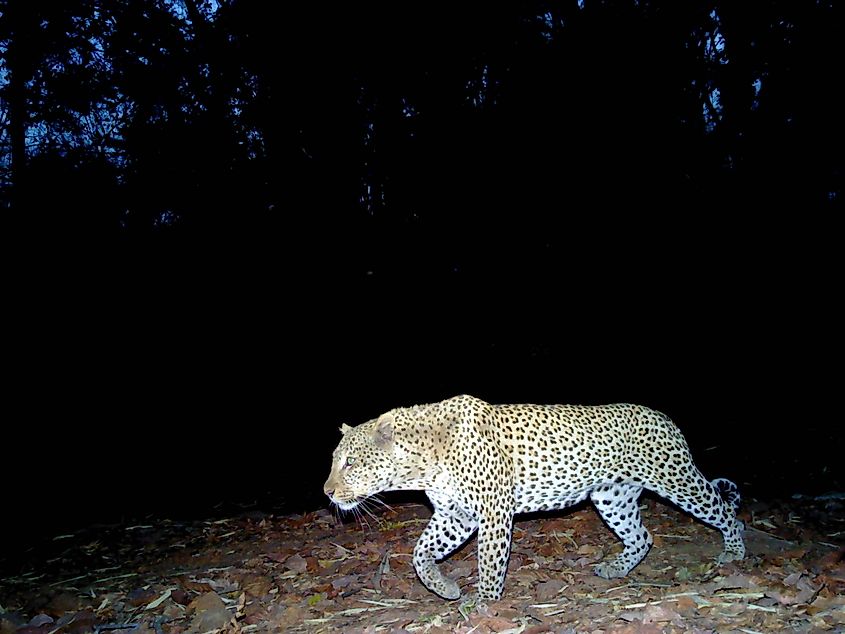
[[359, 126]]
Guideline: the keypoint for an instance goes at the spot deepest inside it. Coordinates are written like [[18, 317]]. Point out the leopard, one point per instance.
[[481, 464]]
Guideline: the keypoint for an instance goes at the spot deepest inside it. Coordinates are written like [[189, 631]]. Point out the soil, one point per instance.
[[316, 573]]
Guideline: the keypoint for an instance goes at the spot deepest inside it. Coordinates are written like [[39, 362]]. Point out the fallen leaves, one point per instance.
[[310, 574]]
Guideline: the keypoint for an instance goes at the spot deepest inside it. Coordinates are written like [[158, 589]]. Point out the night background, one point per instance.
[[229, 229]]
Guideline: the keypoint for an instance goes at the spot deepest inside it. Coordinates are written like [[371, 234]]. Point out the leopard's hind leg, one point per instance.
[[618, 506], [715, 503]]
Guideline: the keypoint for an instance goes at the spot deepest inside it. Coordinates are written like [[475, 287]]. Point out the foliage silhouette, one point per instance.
[[352, 129]]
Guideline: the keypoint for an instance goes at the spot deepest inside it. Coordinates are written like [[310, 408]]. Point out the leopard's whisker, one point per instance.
[[364, 506], [377, 499]]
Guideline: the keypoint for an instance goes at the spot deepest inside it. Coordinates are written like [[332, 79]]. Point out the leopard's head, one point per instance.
[[364, 463], [395, 451]]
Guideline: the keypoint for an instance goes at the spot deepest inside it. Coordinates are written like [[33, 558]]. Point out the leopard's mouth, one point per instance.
[[345, 505]]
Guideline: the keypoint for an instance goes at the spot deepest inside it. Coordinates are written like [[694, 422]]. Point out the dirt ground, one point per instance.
[[314, 573]]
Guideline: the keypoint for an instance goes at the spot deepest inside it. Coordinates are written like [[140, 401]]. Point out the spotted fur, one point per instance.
[[480, 464]]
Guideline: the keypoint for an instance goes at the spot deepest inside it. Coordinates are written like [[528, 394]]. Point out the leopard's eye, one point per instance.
[[349, 461]]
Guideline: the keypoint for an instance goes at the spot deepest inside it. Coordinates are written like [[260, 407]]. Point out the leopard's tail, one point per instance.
[[729, 492]]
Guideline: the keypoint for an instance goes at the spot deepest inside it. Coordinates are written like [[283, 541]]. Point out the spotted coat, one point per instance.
[[480, 464]]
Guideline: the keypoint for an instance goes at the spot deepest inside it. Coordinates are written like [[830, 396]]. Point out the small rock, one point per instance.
[[40, 619], [207, 601], [210, 613], [215, 619], [296, 563]]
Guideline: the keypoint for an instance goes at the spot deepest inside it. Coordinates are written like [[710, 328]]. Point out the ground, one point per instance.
[[314, 573]]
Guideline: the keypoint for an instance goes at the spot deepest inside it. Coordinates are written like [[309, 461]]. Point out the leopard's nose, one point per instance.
[[328, 490]]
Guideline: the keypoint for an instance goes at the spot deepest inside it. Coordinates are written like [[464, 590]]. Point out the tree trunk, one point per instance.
[[16, 95], [17, 134]]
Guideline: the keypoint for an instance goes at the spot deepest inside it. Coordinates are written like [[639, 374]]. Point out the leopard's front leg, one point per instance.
[[494, 546], [448, 528]]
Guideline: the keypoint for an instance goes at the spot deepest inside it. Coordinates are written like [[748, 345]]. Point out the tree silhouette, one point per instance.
[[357, 129], [51, 68]]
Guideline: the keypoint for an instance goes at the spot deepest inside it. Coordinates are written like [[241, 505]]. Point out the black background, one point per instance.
[[581, 242], [216, 394]]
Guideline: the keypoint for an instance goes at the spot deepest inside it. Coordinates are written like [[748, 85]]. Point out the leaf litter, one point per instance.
[[314, 573]]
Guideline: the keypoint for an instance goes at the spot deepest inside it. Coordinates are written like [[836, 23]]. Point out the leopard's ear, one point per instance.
[[383, 432], [344, 428]]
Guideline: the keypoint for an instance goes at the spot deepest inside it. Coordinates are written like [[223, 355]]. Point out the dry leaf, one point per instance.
[[296, 563], [658, 614], [548, 589], [152, 605], [207, 601]]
